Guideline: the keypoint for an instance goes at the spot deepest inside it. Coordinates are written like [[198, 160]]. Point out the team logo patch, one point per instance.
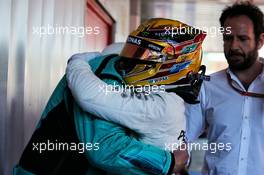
[[178, 67]]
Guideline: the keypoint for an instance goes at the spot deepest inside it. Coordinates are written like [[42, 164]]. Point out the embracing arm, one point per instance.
[[118, 151], [94, 96]]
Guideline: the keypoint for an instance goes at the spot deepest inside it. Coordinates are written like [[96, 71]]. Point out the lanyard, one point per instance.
[[244, 93]]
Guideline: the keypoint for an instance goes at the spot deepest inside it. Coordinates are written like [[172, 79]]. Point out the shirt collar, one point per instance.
[[261, 75], [235, 78]]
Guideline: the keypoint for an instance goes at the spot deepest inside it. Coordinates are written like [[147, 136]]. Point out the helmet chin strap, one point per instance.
[[190, 91]]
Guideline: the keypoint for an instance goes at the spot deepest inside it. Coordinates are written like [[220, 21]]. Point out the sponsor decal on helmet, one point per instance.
[[156, 80], [188, 49], [155, 47], [178, 67], [133, 40], [144, 43]]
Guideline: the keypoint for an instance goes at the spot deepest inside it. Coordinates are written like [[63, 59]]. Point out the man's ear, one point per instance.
[[261, 40]]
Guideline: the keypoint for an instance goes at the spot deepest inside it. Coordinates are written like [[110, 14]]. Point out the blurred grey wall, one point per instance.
[[31, 65]]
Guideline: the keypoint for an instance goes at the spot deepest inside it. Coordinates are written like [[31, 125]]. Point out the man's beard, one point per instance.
[[247, 62]]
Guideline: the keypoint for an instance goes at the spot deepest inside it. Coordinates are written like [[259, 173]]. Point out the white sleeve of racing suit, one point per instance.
[[195, 120], [86, 56], [96, 97]]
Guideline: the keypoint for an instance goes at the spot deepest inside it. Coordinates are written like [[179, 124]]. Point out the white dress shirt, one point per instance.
[[230, 118]]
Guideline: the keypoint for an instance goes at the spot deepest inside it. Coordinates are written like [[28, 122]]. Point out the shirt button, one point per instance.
[[244, 138], [246, 117], [242, 159]]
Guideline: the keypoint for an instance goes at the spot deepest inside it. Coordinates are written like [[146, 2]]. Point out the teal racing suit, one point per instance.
[[114, 149]]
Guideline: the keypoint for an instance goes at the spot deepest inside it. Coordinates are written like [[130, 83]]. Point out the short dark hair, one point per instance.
[[248, 9]]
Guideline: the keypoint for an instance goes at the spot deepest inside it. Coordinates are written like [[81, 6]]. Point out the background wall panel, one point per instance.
[[31, 65]]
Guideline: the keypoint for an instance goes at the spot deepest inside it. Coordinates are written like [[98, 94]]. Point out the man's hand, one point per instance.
[[181, 157]]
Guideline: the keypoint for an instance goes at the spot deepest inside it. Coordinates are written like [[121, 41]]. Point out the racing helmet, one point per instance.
[[165, 51]]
